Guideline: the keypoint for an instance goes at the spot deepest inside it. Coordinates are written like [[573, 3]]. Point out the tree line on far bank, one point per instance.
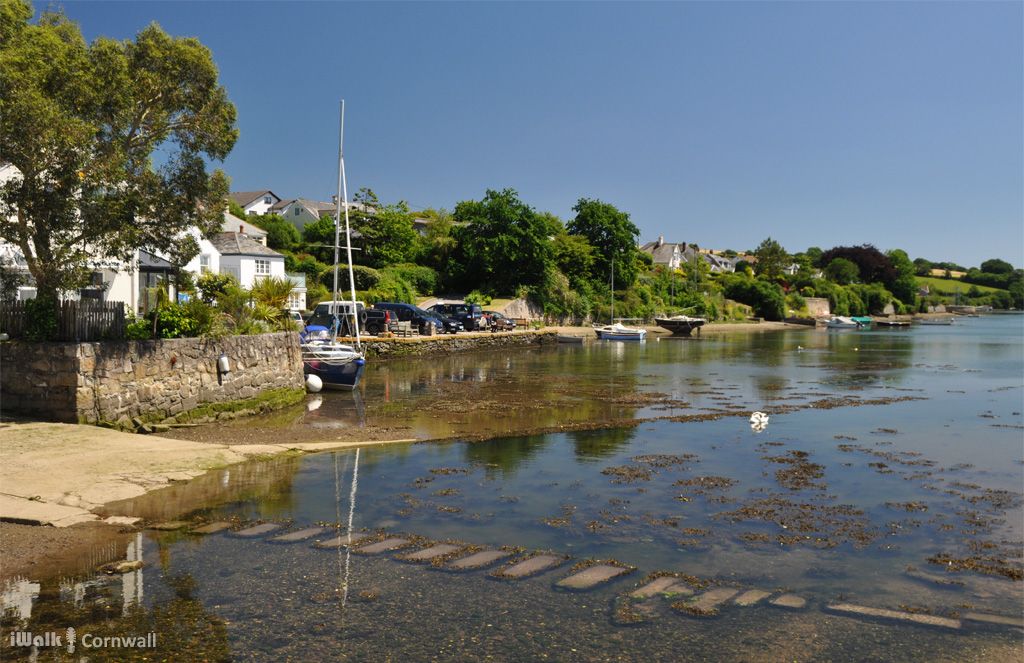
[[499, 246]]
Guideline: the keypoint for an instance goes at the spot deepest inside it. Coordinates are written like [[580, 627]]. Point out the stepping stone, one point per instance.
[[212, 528], [988, 618], [791, 601], [750, 597], [258, 530], [341, 541], [169, 526], [529, 567], [592, 576], [706, 605], [478, 560], [433, 552], [881, 613], [383, 546], [657, 586], [301, 535]]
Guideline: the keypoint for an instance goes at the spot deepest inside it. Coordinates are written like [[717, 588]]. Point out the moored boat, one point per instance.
[[935, 321], [680, 325], [339, 366], [569, 338], [842, 322], [620, 332]]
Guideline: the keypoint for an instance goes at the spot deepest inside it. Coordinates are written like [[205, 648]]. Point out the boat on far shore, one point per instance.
[[680, 325], [842, 322], [569, 338], [935, 321], [620, 332]]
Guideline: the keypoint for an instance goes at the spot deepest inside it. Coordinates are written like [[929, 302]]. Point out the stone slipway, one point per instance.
[[57, 474]]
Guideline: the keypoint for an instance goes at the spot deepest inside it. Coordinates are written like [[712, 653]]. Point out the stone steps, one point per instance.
[[708, 603]]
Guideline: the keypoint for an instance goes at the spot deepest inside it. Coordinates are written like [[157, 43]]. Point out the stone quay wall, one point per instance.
[[126, 382], [431, 346]]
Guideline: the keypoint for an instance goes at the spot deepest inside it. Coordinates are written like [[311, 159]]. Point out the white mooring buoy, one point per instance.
[[314, 384]]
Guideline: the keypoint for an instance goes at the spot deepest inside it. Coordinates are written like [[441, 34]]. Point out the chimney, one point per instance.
[[661, 240], [334, 198], [241, 229]]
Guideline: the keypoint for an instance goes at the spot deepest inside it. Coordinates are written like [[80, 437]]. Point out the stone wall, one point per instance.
[[817, 307], [391, 348], [117, 381]]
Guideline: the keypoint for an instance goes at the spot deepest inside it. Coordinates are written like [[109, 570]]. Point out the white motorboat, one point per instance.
[[842, 322]]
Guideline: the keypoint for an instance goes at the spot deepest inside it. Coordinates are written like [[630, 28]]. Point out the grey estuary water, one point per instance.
[[889, 475]]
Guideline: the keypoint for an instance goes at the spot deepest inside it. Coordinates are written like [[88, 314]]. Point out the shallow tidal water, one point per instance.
[[890, 475]]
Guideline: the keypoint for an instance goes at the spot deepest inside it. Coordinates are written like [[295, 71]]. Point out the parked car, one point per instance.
[[470, 315], [411, 313], [371, 321], [499, 322], [451, 325]]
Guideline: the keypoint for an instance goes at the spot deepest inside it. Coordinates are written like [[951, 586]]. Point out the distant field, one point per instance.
[[950, 286]]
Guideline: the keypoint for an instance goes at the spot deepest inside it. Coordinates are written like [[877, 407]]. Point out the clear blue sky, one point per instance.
[[818, 123]]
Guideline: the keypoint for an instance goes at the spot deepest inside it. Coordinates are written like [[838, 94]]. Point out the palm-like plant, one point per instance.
[[273, 291]]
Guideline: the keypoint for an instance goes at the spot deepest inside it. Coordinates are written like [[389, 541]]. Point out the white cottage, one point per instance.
[[246, 259]]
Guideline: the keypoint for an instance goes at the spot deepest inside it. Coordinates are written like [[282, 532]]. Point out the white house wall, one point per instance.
[[259, 207]]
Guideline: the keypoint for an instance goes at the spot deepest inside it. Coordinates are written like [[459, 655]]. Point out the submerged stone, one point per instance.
[[169, 526], [592, 576], [433, 552], [258, 530], [988, 618], [212, 528], [478, 560], [341, 541], [750, 597], [531, 566], [706, 604], [656, 586], [791, 601], [667, 585], [882, 613], [393, 543], [301, 535]]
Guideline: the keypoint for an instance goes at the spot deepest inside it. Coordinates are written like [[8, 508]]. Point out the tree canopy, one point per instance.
[[502, 243], [613, 237], [81, 123], [772, 259]]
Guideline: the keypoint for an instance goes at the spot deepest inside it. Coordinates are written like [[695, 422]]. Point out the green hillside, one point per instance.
[[951, 286]]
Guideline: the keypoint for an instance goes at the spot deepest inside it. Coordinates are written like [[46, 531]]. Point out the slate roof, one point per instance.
[[237, 244], [662, 253], [243, 198], [232, 224]]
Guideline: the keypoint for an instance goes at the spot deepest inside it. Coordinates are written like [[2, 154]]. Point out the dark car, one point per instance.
[[470, 315], [410, 313], [499, 322], [451, 325]]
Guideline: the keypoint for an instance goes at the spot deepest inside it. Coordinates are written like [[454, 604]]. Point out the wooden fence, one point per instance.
[[76, 321]]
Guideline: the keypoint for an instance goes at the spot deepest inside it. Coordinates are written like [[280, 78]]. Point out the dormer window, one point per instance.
[[267, 200]]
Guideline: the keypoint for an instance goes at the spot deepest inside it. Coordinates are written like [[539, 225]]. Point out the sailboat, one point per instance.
[[338, 365], [616, 331]]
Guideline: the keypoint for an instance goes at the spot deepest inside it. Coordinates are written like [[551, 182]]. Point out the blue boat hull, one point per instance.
[[345, 376]]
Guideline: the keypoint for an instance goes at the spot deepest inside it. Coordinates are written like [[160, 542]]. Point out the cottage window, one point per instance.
[[267, 200], [298, 211], [204, 264], [262, 267]]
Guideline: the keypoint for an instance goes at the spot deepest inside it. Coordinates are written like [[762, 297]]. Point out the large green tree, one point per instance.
[[110, 141], [772, 259], [613, 236], [386, 234], [904, 285], [502, 244]]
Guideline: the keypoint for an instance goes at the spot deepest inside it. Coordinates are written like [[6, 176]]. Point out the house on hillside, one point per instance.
[[668, 254], [300, 211], [255, 202], [246, 259]]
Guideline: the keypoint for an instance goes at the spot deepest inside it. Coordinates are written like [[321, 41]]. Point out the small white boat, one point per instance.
[[569, 338], [936, 321], [620, 332], [842, 322]]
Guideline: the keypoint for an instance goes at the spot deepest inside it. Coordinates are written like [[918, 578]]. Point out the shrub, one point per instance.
[[767, 299], [477, 297], [423, 279], [211, 286], [41, 318], [367, 278]]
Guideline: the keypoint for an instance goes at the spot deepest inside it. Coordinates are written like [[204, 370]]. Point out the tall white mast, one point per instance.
[[343, 202]]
